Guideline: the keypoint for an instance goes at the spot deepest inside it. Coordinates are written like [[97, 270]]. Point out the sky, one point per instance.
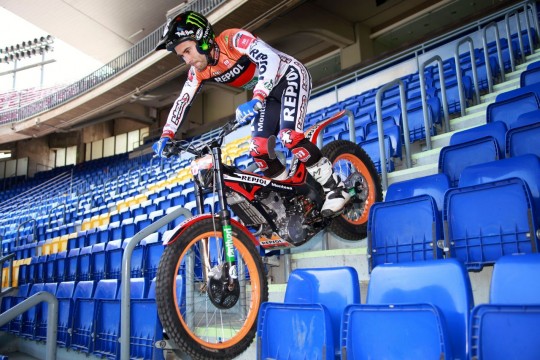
[[70, 64]]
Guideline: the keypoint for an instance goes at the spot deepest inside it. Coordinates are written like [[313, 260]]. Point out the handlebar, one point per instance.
[[198, 147]]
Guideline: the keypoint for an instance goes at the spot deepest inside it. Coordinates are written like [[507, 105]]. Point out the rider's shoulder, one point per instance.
[[235, 38]]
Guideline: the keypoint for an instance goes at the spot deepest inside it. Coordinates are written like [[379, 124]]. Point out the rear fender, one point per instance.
[[180, 228]]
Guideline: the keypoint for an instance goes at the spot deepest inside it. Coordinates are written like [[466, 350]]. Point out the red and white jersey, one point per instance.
[[244, 61]]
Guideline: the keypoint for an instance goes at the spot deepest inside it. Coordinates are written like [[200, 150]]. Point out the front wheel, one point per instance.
[[210, 319], [355, 168]]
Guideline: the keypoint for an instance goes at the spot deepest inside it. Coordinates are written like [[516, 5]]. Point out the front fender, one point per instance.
[[180, 228]]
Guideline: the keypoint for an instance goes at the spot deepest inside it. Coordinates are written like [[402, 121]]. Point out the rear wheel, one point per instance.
[[357, 171], [209, 319]]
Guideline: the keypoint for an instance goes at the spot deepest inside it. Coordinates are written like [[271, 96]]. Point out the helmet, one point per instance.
[[188, 26]]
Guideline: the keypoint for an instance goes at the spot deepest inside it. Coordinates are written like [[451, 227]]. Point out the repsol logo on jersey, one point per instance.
[[230, 74], [290, 97]]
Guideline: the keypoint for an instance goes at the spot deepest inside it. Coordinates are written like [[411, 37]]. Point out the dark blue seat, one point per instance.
[[415, 331], [294, 331], [525, 167], [85, 263], [371, 147], [41, 321], [434, 185], [487, 221], [507, 327], [442, 283], [153, 249], [529, 77], [392, 131], [415, 118], [15, 325], [72, 265], [523, 140], [454, 158], [495, 129], [84, 315], [508, 109], [29, 318], [322, 293], [403, 231], [65, 293], [107, 325], [98, 262]]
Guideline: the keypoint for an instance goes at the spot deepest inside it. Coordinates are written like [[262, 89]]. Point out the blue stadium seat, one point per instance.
[[529, 77], [415, 331], [454, 158], [507, 327], [41, 321], [85, 262], [98, 262], [321, 292], [23, 292], [495, 129], [415, 117], [392, 131], [113, 259], [294, 331], [153, 249], [513, 279], [404, 230], [487, 221], [442, 283], [525, 167], [509, 110], [84, 315], [523, 140], [72, 265], [434, 185], [29, 318], [107, 323], [371, 147], [65, 293]]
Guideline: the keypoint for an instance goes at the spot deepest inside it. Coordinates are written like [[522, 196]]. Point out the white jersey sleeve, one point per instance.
[[181, 105]]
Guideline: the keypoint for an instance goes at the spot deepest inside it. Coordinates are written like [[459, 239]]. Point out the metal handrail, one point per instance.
[[486, 54], [509, 37], [125, 304], [444, 100], [33, 230], [380, 128], [3, 259], [52, 318], [457, 61]]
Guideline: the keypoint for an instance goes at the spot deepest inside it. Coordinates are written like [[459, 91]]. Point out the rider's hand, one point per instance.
[[159, 146], [248, 111]]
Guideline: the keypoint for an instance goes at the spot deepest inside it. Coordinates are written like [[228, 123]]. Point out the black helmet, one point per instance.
[[188, 26]]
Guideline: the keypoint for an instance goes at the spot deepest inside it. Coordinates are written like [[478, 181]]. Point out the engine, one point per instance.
[[288, 215]]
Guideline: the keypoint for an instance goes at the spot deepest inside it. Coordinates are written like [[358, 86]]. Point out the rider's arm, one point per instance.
[[181, 105], [264, 56]]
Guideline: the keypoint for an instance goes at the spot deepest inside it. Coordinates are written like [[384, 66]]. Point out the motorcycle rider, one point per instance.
[[281, 88]]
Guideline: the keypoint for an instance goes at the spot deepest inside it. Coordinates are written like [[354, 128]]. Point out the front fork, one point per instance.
[[229, 271]]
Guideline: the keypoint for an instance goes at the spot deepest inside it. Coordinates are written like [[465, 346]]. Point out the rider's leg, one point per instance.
[[263, 153], [320, 168]]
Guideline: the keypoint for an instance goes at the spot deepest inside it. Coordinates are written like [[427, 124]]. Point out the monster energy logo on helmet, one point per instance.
[[188, 26]]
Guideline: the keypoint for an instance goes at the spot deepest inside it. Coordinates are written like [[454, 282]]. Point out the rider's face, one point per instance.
[[188, 51]]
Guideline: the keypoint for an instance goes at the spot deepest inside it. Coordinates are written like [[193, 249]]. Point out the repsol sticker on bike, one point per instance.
[[247, 179]]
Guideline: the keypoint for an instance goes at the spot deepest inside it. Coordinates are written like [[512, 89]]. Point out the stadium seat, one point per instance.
[[318, 294], [153, 249], [415, 117], [30, 317], [507, 327], [65, 293], [442, 283], [41, 320], [525, 167], [294, 331], [529, 77], [84, 315], [98, 262], [496, 129], [371, 147], [434, 185], [415, 331], [487, 221], [392, 131], [523, 140], [454, 158], [107, 323], [403, 231], [509, 109]]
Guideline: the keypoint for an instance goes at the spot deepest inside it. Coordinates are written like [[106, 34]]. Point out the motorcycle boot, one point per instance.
[[334, 189]]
